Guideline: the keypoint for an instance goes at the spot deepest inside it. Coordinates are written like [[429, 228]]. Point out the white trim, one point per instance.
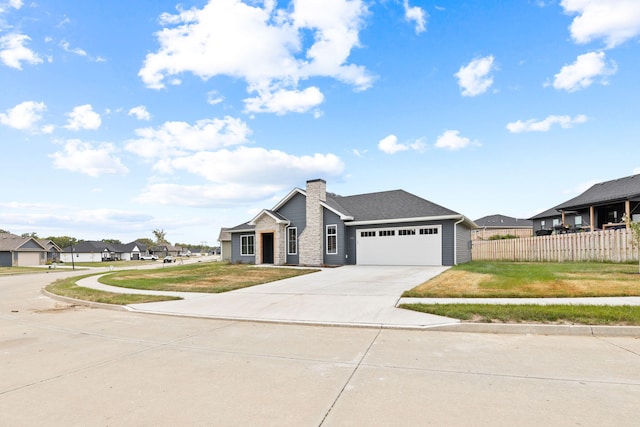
[[326, 234], [470, 223], [342, 216], [288, 240], [266, 212], [254, 244], [289, 197]]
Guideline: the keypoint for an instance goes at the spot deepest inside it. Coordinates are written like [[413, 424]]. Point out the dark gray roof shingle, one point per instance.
[[502, 221], [604, 192]]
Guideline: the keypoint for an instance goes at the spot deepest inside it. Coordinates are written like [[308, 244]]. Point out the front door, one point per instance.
[[267, 248]]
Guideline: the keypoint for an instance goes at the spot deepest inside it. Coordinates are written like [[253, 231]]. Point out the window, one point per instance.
[[407, 232], [247, 246], [367, 234], [542, 223], [430, 230], [292, 241], [556, 221], [578, 221], [332, 239], [382, 233]]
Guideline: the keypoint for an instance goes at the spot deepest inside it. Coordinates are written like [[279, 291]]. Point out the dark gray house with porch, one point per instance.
[[314, 227], [606, 205]]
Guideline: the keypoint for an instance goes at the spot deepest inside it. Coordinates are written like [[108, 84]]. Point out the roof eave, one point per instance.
[[464, 219]]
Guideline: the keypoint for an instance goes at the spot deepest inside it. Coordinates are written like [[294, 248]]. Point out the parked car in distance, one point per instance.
[[149, 257], [168, 259]]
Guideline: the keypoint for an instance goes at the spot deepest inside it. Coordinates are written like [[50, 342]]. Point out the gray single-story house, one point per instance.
[[501, 225], [606, 205], [97, 251], [313, 227], [17, 251]]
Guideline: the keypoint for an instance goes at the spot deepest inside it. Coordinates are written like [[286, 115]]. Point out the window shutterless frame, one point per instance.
[[332, 239], [247, 245]]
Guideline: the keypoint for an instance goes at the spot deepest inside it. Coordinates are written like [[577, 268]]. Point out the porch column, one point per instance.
[[627, 212], [591, 218], [562, 212]]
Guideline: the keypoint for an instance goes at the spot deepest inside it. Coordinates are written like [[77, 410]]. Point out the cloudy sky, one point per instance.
[[121, 117]]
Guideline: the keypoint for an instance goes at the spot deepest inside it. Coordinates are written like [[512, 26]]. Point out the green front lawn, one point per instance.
[[481, 279]]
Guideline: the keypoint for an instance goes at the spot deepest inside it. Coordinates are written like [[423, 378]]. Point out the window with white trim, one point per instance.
[[332, 239], [383, 233], [247, 245], [430, 230], [367, 234], [292, 241]]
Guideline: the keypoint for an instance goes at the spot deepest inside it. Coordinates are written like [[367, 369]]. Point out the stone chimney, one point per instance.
[[311, 239]]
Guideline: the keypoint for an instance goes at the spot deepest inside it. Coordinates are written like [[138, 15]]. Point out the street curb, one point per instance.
[[85, 303], [541, 329]]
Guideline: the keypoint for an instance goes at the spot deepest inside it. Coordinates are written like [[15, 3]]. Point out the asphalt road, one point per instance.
[[77, 366]]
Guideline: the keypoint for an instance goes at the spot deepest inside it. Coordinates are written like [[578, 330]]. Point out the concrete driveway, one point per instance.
[[349, 295]]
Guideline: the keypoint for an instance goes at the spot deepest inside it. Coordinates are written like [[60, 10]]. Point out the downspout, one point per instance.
[[455, 241]]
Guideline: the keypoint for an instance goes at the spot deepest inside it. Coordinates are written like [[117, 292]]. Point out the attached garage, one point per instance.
[[416, 245]]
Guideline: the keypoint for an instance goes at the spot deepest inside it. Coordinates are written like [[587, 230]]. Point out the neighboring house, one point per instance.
[[53, 250], [131, 251], [313, 227], [165, 250], [90, 251], [225, 244], [501, 225], [17, 251], [97, 251], [609, 204]]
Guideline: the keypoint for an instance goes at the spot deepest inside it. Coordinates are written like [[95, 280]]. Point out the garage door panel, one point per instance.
[[399, 246]]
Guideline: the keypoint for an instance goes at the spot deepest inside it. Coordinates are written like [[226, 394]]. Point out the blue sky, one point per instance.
[[118, 118]]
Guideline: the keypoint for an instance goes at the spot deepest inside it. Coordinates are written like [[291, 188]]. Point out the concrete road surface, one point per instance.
[[62, 365]]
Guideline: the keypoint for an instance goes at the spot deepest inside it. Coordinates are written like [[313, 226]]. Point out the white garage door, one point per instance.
[[28, 259], [420, 245]]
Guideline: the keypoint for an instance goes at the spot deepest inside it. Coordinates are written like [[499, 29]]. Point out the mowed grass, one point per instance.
[[624, 315], [480, 279], [533, 280], [205, 277]]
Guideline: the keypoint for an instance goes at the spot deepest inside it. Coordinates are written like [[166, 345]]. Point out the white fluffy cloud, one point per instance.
[[264, 46], [23, 116], [614, 21], [534, 125], [390, 145], [90, 159], [13, 51], [451, 140], [179, 138], [140, 112], [582, 73], [475, 78], [244, 174], [417, 15], [83, 117]]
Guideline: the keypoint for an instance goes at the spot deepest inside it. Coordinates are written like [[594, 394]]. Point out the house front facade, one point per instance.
[[17, 251], [313, 227]]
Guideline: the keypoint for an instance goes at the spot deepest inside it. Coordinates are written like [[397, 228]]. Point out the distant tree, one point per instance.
[[112, 241], [32, 234], [63, 241], [146, 241], [635, 239], [161, 236], [4, 231]]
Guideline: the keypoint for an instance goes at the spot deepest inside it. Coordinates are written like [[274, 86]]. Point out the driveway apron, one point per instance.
[[349, 296]]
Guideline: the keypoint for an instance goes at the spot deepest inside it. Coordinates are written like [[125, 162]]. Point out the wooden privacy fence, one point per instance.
[[610, 246]]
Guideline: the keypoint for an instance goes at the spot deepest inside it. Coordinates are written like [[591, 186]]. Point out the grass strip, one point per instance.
[[626, 315], [209, 277], [68, 288]]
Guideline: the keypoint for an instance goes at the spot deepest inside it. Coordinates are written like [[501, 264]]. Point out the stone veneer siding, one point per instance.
[[311, 239], [266, 224]]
